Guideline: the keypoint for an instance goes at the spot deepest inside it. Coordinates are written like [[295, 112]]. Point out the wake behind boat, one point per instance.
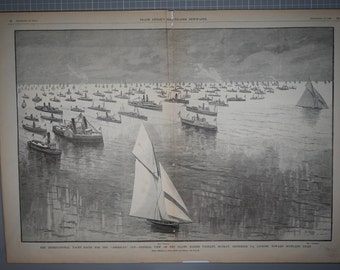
[[155, 197]]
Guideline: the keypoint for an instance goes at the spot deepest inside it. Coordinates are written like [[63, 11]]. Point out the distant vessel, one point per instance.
[[48, 108], [198, 122], [33, 128], [134, 114], [283, 87], [145, 103], [99, 108], [77, 109], [36, 99], [61, 95], [257, 96], [218, 102], [201, 109], [25, 96], [99, 94], [106, 99], [245, 91], [109, 118], [155, 197], [54, 99], [32, 118], [236, 98], [205, 98], [177, 100], [44, 147], [311, 98], [122, 96], [70, 99], [85, 98], [79, 130], [51, 118]]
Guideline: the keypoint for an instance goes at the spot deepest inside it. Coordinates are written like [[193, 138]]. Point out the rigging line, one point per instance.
[[173, 200], [153, 174]]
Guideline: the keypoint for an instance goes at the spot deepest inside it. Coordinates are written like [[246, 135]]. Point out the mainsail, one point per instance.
[[311, 98], [154, 195]]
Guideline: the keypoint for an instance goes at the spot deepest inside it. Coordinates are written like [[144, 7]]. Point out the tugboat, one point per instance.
[[79, 130], [44, 147]]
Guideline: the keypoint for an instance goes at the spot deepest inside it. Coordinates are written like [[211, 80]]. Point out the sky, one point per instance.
[[186, 55]]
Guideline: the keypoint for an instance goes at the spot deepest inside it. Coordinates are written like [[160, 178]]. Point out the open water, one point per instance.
[[265, 175]]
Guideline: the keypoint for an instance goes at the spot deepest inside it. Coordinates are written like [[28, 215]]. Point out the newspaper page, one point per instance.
[[162, 136]]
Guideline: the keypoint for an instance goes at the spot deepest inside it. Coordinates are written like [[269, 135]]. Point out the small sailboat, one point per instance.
[[155, 197], [311, 98]]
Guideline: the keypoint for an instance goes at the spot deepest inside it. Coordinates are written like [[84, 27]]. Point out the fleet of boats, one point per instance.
[[155, 197]]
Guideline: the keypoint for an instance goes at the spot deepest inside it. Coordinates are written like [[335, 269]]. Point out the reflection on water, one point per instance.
[[265, 175], [311, 116]]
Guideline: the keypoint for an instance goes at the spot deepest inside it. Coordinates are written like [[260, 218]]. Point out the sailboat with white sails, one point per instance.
[[155, 197], [311, 98]]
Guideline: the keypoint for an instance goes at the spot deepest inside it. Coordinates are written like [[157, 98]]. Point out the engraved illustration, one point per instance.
[[175, 135]]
